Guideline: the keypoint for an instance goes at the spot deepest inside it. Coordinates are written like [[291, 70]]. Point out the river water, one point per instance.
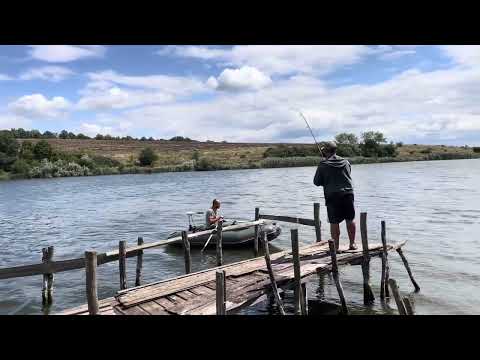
[[434, 205]]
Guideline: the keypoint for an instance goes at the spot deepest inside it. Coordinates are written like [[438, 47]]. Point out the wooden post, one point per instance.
[[405, 262], [219, 244], [122, 263], [333, 254], [221, 292], [408, 306], [47, 284], [91, 281], [316, 219], [299, 303], [396, 295], [186, 249], [367, 290], [385, 267], [138, 275], [304, 299], [257, 232], [272, 275]]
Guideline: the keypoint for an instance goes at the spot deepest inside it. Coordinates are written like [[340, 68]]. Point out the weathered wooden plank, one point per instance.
[[385, 267], [135, 310], [289, 219], [186, 250], [153, 308], [220, 292], [202, 290], [268, 262], [219, 245], [408, 306]]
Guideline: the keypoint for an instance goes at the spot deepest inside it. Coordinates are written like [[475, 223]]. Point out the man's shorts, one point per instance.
[[340, 207]]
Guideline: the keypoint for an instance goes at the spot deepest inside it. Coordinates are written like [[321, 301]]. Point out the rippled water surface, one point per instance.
[[434, 205]]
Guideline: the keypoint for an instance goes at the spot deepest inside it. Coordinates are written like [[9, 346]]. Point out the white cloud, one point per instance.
[[394, 55], [110, 90], [65, 53], [245, 78], [4, 77], [37, 105], [115, 128], [278, 59], [463, 54], [50, 73]]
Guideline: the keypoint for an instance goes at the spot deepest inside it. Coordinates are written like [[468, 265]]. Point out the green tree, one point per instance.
[[372, 143], [99, 137], [26, 151], [147, 156], [42, 150], [82, 136], [49, 135], [374, 137], [346, 139], [8, 144]]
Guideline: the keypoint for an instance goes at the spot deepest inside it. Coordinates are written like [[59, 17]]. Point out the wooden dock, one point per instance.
[[246, 281], [227, 288]]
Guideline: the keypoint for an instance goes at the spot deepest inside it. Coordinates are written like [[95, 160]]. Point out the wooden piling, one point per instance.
[[257, 232], [268, 262], [316, 219], [385, 267], [299, 304], [186, 251], [397, 297], [219, 244], [91, 281], [47, 285], [368, 296], [408, 306], [304, 299], [122, 263], [336, 278], [138, 273], [405, 262], [221, 292]]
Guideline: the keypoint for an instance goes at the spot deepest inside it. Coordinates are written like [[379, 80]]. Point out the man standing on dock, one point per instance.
[[334, 174]]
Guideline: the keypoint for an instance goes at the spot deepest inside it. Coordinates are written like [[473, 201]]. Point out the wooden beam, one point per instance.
[[316, 219], [122, 264], [405, 262], [289, 219], [299, 303], [368, 296], [333, 255], [397, 297], [138, 272], [408, 306], [272, 275], [91, 282], [186, 252]]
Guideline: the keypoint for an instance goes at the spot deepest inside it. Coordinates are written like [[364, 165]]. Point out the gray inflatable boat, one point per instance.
[[234, 238]]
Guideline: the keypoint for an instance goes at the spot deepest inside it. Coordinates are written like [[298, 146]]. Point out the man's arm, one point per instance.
[[318, 179]]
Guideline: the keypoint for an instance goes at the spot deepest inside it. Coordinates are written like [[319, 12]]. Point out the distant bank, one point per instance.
[[50, 158]]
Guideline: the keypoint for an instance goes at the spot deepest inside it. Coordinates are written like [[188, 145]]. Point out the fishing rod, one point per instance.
[[311, 132]]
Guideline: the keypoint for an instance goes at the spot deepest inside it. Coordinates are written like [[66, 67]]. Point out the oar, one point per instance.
[[213, 232]]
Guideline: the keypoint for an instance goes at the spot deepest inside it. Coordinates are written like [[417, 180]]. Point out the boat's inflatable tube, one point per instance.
[[241, 237]]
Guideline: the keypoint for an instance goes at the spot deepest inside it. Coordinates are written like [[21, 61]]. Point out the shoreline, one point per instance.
[[268, 163]]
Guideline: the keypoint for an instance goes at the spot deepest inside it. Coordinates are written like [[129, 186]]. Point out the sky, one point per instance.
[[246, 93]]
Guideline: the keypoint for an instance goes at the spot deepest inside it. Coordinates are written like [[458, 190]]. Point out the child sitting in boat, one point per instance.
[[212, 217]]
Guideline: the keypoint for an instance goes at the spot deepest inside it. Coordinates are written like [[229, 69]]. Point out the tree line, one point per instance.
[[372, 144], [64, 134]]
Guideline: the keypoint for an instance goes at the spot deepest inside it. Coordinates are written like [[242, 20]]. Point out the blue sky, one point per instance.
[[414, 94]]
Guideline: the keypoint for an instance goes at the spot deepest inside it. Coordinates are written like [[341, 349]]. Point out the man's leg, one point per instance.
[[335, 233], [351, 229]]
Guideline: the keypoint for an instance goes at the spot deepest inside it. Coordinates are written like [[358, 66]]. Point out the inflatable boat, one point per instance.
[[233, 238]]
